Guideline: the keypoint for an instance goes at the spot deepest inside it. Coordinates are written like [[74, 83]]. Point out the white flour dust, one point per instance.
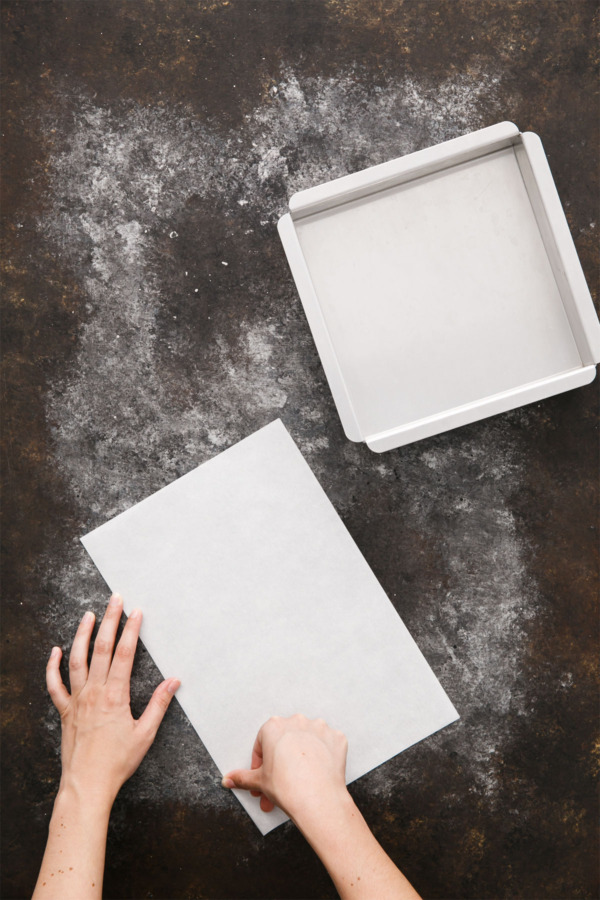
[[470, 623], [127, 418]]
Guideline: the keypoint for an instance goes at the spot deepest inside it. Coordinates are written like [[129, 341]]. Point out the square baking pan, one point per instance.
[[442, 287]]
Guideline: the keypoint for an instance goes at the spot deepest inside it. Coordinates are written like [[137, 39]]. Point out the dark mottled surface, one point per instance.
[[150, 321]]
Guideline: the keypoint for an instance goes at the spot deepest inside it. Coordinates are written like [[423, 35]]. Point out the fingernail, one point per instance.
[[227, 782], [89, 617], [135, 614], [115, 600], [173, 685], [55, 652]]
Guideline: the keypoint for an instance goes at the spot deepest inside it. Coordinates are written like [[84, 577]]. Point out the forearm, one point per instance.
[[73, 864], [356, 862]]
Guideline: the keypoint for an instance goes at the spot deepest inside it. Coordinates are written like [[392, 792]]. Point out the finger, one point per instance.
[[105, 640], [257, 753], [78, 667], [158, 704], [257, 759], [266, 805], [58, 692], [120, 670], [246, 779]]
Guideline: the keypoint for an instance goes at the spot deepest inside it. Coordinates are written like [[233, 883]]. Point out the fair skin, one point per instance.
[[297, 764], [102, 746]]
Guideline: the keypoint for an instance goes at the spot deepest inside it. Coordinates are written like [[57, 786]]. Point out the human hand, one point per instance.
[[102, 744], [298, 764]]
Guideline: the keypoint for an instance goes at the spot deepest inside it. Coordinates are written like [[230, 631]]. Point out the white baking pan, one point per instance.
[[442, 287]]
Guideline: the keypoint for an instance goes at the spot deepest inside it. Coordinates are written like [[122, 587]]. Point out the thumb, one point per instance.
[[246, 779]]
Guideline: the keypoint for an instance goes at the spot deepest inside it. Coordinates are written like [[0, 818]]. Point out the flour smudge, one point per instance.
[[168, 372]]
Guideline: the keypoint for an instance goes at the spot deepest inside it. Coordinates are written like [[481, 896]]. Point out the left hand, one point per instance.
[[102, 744]]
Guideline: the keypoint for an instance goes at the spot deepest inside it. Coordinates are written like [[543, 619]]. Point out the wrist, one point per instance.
[[311, 816], [85, 798]]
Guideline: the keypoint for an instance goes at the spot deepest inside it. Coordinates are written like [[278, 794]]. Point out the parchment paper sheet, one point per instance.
[[256, 596]]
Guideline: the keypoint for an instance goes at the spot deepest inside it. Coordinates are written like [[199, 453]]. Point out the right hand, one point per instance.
[[297, 764]]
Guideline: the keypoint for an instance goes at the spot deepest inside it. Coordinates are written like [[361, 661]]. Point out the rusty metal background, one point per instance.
[[150, 321]]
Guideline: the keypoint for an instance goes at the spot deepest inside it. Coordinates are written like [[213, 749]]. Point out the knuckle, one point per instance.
[[113, 698], [148, 732], [124, 652], [89, 696], [161, 700], [102, 647], [75, 664]]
